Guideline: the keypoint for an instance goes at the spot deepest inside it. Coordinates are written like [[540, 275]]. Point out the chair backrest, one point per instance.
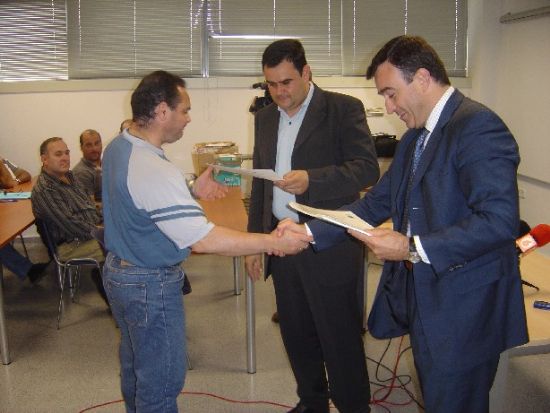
[[46, 238]]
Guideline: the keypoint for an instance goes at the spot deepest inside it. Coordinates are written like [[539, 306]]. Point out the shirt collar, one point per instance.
[[88, 163], [438, 108], [141, 143], [52, 180]]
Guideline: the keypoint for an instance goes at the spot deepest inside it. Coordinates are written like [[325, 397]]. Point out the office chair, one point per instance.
[[67, 270]]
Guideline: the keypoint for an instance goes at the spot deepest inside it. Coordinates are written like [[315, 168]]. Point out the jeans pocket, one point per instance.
[[129, 300]]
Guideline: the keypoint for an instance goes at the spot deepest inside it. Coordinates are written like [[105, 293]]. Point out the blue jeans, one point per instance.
[[15, 262], [147, 304]]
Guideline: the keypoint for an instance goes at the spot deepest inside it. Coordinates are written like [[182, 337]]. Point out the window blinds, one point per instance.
[[78, 39]]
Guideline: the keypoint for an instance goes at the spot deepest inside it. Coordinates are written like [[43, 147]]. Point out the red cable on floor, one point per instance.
[[383, 401], [394, 376], [225, 399], [87, 409], [196, 393], [374, 401]]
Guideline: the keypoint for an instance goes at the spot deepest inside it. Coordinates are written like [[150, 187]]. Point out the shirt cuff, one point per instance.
[[421, 250], [309, 233]]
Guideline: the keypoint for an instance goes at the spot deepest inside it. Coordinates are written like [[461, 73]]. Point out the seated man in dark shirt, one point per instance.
[[88, 171], [69, 212]]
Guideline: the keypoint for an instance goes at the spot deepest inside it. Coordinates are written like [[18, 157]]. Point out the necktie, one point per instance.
[[418, 149]]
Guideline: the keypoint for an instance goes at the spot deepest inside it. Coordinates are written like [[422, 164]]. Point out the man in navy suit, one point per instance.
[[450, 277]]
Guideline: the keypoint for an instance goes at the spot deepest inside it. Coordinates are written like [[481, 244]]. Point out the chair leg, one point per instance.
[[74, 283], [189, 365], [24, 246], [62, 277], [59, 275], [70, 279], [76, 286]]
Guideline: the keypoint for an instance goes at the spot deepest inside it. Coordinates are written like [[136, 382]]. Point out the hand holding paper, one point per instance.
[[346, 219], [294, 182], [385, 243]]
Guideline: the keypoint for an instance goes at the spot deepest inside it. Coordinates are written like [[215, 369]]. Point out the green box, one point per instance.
[[227, 178]]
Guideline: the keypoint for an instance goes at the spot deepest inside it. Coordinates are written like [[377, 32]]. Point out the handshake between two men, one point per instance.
[[385, 243]]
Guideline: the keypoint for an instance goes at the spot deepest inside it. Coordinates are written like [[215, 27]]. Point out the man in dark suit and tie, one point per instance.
[[320, 143], [450, 277]]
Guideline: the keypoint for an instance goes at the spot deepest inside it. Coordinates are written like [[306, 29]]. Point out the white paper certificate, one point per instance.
[[346, 219], [256, 173]]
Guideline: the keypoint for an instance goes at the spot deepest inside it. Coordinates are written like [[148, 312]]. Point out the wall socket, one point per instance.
[[521, 193]]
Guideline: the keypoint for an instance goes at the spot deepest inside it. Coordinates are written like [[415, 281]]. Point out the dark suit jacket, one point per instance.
[[464, 207], [333, 145]]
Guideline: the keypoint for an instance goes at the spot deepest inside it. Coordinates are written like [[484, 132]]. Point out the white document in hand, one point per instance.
[[256, 173], [346, 219]]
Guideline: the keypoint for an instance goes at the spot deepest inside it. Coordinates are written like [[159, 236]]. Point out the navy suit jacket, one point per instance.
[[464, 207]]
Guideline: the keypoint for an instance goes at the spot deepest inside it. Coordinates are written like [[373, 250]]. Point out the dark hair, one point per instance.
[[155, 88], [88, 132], [124, 123], [408, 54], [285, 49], [44, 145]]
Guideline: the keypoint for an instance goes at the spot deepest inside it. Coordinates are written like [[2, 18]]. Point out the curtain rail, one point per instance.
[[527, 14]]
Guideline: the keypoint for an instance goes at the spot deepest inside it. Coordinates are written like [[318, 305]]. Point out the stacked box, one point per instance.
[[204, 152]]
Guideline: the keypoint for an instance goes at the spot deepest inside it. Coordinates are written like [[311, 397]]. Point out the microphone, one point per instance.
[[260, 85], [536, 238]]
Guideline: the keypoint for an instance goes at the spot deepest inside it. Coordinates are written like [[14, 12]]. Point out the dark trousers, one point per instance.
[[445, 391], [321, 324]]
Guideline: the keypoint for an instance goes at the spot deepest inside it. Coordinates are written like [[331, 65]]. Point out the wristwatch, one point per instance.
[[190, 183], [413, 256]]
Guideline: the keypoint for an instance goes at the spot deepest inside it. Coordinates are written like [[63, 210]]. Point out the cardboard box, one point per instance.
[[203, 153]]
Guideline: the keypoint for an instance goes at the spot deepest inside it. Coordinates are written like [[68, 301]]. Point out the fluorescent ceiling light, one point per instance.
[[250, 36]]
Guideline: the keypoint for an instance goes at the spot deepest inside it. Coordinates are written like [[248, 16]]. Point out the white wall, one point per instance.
[[508, 81], [218, 113]]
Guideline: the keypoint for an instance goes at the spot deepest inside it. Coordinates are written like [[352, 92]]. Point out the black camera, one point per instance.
[[260, 101]]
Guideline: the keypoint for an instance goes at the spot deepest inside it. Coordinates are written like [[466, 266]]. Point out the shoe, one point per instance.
[[36, 272], [300, 408], [275, 317]]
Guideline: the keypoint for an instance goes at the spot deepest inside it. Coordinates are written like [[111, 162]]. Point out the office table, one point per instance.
[[535, 268], [15, 217], [230, 212]]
